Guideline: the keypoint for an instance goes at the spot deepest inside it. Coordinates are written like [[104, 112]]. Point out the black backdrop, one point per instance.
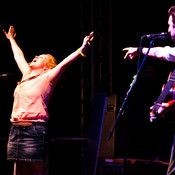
[[54, 27]]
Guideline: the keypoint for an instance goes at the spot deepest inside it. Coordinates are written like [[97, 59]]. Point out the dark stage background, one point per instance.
[[57, 28]]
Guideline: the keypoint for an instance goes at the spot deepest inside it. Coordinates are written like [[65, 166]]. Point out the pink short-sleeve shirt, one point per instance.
[[31, 99]]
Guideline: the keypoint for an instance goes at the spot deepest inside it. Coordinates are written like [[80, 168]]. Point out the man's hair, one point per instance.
[[171, 12]]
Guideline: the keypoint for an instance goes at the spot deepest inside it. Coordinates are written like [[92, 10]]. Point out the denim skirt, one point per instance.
[[27, 143]]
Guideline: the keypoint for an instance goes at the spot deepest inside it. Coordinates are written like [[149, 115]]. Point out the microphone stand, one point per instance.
[[125, 99], [130, 89]]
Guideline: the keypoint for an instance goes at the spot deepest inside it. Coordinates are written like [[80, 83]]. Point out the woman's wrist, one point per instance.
[[81, 52], [82, 49]]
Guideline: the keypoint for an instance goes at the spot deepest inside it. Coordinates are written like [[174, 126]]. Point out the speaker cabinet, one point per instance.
[[101, 122], [107, 146]]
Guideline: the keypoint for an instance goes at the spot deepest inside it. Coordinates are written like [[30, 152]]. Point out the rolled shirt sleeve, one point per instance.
[[168, 53]]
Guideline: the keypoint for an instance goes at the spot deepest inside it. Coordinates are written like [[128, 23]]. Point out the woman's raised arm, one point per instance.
[[18, 53], [56, 72]]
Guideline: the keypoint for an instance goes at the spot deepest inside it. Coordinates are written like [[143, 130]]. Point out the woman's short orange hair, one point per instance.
[[52, 62]]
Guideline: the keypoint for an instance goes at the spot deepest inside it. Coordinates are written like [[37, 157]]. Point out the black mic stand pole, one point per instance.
[[124, 102], [131, 87]]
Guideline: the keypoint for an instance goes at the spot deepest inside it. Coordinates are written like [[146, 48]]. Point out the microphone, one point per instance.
[[163, 35], [5, 76]]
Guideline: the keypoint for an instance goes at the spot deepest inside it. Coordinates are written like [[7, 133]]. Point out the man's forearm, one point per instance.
[[155, 52], [163, 53]]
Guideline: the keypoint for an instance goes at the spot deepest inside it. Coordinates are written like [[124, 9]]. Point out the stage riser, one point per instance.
[[131, 169]]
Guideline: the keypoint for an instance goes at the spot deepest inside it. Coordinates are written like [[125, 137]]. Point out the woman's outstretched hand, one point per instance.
[[87, 41], [11, 33]]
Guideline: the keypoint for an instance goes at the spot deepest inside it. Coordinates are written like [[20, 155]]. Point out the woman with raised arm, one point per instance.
[[28, 135]]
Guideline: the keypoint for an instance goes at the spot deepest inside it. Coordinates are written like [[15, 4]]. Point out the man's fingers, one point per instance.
[[126, 49]]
